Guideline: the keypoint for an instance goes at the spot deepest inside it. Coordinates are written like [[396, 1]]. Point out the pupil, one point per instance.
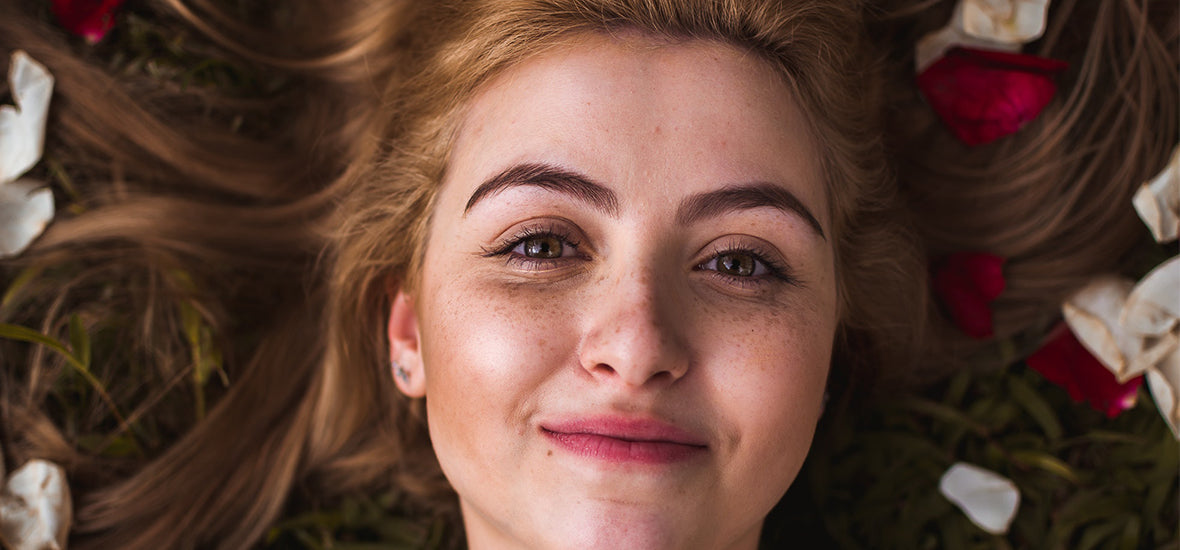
[[741, 265], [543, 247]]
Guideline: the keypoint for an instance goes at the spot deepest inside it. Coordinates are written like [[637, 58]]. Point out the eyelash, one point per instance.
[[778, 272], [506, 247]]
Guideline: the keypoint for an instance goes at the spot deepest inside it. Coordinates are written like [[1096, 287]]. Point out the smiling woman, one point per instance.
[[585, 271], [650, 330]]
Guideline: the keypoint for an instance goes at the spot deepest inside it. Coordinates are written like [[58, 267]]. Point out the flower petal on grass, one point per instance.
[[1063, 360], [26, 207], [1164, 383], [1003, 21], [988, 499], [22, 127], [1153, 307], [1093, 315], [1158, 201], [35, 510]]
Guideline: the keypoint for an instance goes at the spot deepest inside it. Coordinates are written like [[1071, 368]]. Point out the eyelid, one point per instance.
[[538, 227], [763, 252]]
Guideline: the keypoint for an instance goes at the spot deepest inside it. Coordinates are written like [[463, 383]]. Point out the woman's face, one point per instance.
[[627, 304]]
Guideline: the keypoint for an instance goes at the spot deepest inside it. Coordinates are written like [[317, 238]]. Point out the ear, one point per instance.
[[405, 352]]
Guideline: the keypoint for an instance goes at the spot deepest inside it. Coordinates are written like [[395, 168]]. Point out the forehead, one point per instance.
[[679, 117]]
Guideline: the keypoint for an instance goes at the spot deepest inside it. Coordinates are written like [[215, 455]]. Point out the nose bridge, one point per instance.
[[635, 332]]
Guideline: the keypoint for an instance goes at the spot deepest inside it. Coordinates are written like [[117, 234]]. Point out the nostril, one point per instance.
[[604, 369]]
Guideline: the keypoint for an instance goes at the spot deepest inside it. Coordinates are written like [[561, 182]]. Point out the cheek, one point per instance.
[[767, 374], [487, 350]]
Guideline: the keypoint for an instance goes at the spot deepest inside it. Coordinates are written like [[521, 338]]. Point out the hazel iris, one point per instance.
[[736, 264], [543, 247]]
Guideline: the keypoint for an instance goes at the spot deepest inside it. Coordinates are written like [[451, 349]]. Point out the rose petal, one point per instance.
[[1003, 21], [985, 270], [1158, 201], [22, 128], [1155, 351], [1164, 383], [90, 19], [969, 310], [988, 499], [1063, 360], [35, 512], [984, 95], [932, 46], [26, 207], [1093, 315], [1153, 307], [966, 283]]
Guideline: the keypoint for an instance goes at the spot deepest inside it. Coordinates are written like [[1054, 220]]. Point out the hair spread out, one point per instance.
[[286, 240]]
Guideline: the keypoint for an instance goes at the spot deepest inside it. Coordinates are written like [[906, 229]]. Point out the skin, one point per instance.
[[637, 316]]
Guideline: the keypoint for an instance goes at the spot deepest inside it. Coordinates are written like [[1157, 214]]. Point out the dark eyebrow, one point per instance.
[[742, 197], [548, 177]]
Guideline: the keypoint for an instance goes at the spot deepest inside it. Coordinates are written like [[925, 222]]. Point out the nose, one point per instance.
[[635, 331]]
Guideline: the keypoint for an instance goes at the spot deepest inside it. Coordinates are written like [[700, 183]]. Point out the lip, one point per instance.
[[625, 440]]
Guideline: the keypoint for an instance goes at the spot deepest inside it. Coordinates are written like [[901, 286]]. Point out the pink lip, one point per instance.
[[625, 440]]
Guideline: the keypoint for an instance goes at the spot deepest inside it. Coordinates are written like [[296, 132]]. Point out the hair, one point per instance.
[[279, 247]]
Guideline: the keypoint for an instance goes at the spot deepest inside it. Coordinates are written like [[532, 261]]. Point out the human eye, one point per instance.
[[747, 266], [540, 247]]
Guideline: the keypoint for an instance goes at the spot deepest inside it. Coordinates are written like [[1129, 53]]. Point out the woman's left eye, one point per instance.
[[743, 267], [737, 264]]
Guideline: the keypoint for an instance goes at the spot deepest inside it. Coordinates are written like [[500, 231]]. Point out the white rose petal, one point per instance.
[[26, 207], [988, 499], [1158, 201], [1093, 315], [22, 128], [1164, 383], [932, 46], [1003, 21], [35, 511], [1153, 307]]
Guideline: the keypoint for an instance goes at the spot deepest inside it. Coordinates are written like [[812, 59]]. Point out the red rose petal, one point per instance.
[[1065, 362], [90, 19], [985, 95], [985, 270], [966, 283]]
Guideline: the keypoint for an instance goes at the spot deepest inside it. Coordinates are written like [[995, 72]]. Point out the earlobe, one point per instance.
[[405, 353]]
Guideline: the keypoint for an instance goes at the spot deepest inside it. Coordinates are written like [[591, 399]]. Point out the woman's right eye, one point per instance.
[[536, 249]]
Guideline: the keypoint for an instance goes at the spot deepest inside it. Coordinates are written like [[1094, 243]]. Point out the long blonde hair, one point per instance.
[[289, 249]]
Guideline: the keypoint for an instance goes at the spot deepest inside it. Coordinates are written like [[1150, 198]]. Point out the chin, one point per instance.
[[610, 525]]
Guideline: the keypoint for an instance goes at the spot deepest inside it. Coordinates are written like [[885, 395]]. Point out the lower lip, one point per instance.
[[612, 449]]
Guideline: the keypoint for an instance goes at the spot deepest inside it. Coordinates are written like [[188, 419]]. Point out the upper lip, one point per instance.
[[626, 428]]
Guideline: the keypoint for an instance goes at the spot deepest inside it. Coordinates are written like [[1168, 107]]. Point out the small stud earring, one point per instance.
[[401, 373]]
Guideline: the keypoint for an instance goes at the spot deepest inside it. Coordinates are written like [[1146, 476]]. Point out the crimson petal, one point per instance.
[[966, 283], [90, 19], [1065, 362], [984, 95]]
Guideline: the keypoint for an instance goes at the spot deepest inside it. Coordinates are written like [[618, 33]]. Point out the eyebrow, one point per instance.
[[693, 209], [744, 197], [552, 178]]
